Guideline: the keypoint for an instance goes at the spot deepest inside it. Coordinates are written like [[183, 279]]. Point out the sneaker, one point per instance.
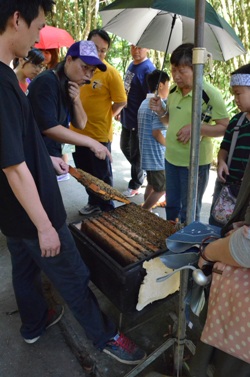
[[129, 193], [145, 181], [63, 177], [54, 316], [124, 350], [89, 208], [31, 341]]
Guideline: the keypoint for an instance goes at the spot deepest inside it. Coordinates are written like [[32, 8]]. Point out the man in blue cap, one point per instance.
[[55, 98]]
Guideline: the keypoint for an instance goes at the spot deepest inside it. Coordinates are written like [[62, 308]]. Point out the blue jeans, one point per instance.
[[70, 277], [177, 190]]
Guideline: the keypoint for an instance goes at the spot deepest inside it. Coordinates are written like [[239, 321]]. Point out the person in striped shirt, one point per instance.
[[152, 132], [233, 174]]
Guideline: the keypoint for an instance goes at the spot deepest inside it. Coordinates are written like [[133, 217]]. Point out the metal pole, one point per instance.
[[196, 114], [191, 207], [193, 176]]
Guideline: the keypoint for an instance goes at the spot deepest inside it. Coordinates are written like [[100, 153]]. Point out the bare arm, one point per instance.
[[157, 134], [24, 188], [79, 116], [155, 105], [218, 251], [222, 169], [216, 130], [59, 165], [117, 108], [65, 135]]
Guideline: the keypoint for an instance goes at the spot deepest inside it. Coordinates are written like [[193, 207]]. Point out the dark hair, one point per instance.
[[54, 57], [154, 77], [63, 82], [245, 69], [34, 56], [102, 33], [28, 9], [182, 55]]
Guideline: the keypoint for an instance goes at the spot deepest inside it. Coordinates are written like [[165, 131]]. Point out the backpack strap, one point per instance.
[[236, 131], [173, 89], [205, 96]]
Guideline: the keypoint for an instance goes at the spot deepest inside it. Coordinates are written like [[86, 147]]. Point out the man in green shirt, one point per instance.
[[214, 122]]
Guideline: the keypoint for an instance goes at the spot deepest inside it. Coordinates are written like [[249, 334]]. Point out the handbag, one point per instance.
[[224, 205], [227, 325], [225, 202]]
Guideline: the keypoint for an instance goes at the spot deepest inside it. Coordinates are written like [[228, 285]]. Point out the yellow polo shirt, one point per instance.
[[97, 98]]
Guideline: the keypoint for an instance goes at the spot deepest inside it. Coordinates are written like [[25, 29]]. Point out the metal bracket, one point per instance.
[[202, 56], [150, 358]]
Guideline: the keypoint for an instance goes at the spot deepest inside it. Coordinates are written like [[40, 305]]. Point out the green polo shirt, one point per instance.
[[180, 114]]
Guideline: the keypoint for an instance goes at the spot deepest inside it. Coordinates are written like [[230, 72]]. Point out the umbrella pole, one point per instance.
[[166, 52], [191, 208], [193, 177], [169, 39]]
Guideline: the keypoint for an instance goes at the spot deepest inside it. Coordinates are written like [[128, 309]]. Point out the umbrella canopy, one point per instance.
[[149, 23], [54, 37]]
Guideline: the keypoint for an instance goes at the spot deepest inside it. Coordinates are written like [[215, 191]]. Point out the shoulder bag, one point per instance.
[[227, 325], [225, 202]]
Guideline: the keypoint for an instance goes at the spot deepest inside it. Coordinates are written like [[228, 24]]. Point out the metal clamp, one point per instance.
[[202, 56]]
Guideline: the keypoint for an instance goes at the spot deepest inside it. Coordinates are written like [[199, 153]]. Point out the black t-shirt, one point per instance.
[[136, 88], [49, 106], [20, 140]]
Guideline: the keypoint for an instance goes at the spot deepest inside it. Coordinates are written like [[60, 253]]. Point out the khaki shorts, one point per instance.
[[156, 179]]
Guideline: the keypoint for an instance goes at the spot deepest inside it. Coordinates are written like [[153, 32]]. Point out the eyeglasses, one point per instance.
[[102, 51]]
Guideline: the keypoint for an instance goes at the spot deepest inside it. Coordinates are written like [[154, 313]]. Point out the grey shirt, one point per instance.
[[240, 248]]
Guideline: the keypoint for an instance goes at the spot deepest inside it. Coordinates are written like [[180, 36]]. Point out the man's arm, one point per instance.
[[155, 104], [215, 130], [65, 135], [117, 108], [24, 188], [59, 165]]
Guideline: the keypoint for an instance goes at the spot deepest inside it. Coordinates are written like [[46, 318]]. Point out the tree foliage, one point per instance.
[[78, 17]]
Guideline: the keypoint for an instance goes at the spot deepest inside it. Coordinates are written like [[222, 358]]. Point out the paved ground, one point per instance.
[[64, 350]]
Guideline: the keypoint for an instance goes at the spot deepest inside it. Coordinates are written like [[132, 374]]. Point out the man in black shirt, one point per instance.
[[32, 216]]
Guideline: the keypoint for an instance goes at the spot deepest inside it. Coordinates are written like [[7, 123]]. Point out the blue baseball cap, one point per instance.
[[87, 52]]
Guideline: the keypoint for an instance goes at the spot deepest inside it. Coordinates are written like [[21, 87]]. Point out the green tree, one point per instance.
[[78, 17]]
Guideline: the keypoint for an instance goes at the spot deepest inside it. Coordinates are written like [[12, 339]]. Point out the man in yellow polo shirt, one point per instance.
[[102, 99]]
